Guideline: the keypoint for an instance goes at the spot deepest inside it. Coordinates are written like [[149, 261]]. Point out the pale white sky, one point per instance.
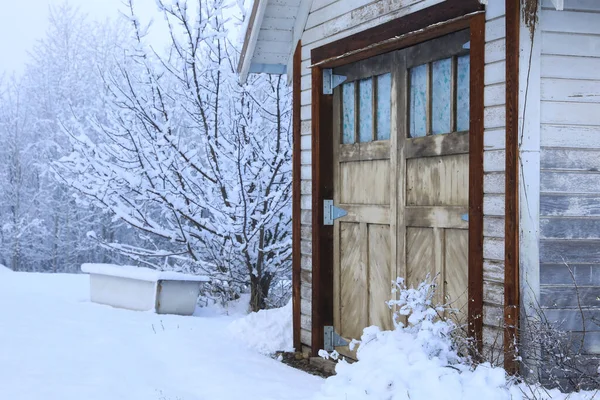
[[22, 22]]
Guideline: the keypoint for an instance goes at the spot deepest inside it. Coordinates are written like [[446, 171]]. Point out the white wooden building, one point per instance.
[[462, 139]]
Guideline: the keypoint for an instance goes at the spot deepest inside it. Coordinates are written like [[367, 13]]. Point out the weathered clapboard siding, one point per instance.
[[570, 165], [494, 165]]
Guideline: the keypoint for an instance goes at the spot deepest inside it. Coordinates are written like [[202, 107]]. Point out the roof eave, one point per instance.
[[256, 18]]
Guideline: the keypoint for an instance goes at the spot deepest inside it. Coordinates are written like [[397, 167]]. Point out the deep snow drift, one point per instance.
[[267, 331], [56, 345], [418, 361]]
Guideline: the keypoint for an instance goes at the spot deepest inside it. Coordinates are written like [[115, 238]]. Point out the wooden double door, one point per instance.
[[401, 171]]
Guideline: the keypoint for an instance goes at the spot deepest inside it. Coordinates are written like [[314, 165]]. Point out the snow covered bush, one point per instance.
[[418, 360], [197, 163], [267, 331]]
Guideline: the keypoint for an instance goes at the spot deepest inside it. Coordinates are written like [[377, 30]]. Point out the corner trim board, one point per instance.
[[476, 148], [296, 204], [511, 240]]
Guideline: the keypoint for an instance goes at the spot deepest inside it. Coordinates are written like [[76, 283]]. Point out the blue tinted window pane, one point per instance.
[[418, 101], [462, 93], [384, 98], [348, 113], [365, 91], [441, 93]]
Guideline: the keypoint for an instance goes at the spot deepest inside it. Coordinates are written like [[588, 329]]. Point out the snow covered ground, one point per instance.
[[56, 345]]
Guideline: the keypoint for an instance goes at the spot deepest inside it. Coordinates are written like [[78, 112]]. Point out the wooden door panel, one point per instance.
[[379, 150], [380, 276], [364, 186], [353, 275], [438, 181], [456, 269], [437, 216], [365, 182], [419, 255], [406, 197], [366, 213]]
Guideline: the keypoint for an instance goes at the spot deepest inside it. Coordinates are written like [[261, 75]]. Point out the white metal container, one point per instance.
[[144, 289]]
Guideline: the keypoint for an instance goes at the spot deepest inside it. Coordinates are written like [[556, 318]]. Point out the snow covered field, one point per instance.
[[56, 345]]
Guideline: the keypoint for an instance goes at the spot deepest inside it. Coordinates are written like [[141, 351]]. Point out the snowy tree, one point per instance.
[[20, 225], [43, 228], [192, 158]]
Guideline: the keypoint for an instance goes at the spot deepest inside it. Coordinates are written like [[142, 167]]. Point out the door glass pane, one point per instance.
[[365, 101], [441, 93], [348, 113], [418, 101], [462, 93], [384, 98]]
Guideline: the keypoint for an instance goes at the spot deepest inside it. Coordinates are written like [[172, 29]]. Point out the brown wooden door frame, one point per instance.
[[446, 17]]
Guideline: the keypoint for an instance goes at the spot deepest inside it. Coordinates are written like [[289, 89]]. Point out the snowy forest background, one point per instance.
[[115, 151]]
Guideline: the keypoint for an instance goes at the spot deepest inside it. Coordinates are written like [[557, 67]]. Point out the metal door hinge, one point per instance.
[[332, 339], [331, 212], [331, 81]]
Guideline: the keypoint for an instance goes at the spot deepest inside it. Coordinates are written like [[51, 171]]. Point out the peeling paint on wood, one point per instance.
[[570, 205], [570, 228], [569, 251], [572, 274]]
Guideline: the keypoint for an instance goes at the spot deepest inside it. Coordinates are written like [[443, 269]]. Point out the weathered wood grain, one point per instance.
[[365, 182], [569, 205], [570, 274], [567, 182], [419, 255], [569, 297], [494, 95], [572, 159], [571, 90], [493, 271], [456, 271], [573, 320], [570, 228], [354, 304], [476, 179], [575, 136], [436, 217], [569, 251], [570, 21], [493, 205], [437, 181], [423, 18], [570, 67], [377, 150], [379, 276], [296, 200], [437, 145], [493, 292]]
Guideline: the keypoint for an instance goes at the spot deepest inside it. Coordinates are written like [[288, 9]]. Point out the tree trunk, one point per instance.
[[259, 291]]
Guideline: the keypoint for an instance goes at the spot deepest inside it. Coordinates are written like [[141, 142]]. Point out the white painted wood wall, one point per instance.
[[494, 177], [570, 164]]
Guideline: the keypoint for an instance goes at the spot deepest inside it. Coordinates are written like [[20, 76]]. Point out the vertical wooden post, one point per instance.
[[475, 306], [511, 244], [296, 194], [322, 188]]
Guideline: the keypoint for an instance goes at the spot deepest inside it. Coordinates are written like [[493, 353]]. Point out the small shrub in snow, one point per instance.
[[419, 360]]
